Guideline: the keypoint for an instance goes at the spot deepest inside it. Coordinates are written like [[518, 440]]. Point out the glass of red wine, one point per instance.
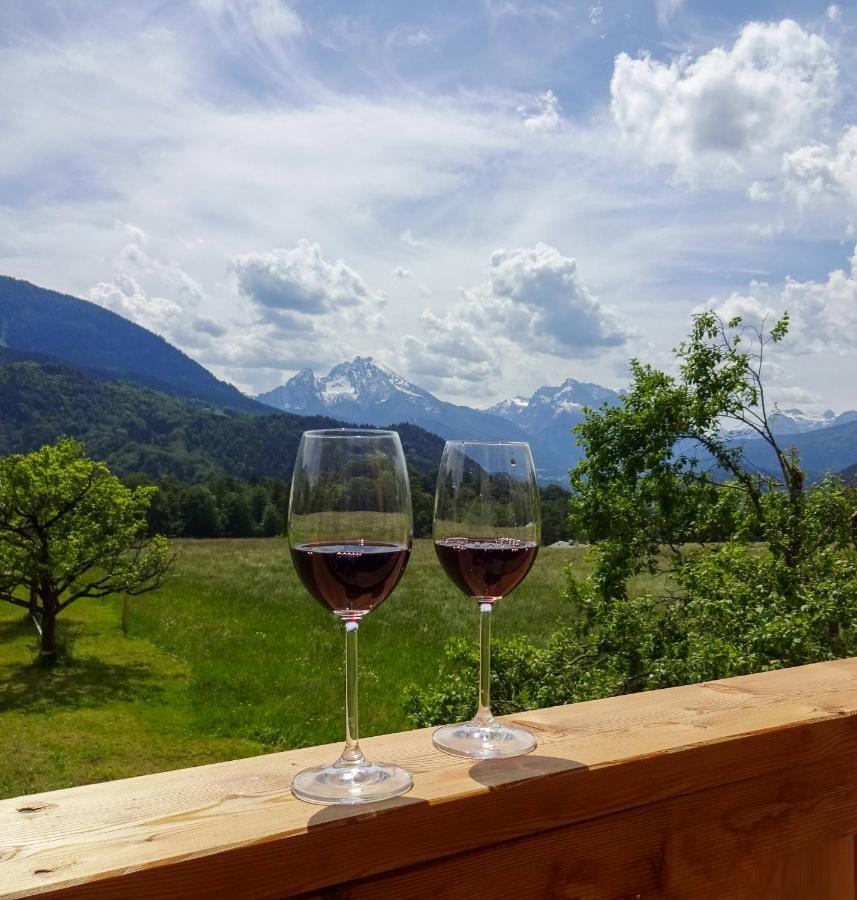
[[350, 536], [486, 536]]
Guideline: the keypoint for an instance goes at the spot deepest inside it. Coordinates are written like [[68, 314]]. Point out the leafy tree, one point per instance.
[[664, 468], [69, 530], [554, 506], [273, 523]]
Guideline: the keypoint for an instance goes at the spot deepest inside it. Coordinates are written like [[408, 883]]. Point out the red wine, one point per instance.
[[489, 568], [350, 579]]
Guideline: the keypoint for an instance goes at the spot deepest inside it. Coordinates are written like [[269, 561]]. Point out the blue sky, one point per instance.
[[487, 196]]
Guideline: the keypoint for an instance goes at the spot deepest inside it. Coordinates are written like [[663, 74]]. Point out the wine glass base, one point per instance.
[[477, 741], [351, 784]]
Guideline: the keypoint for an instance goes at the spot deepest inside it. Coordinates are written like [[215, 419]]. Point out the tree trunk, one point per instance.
[[50, 608], [794, 545]]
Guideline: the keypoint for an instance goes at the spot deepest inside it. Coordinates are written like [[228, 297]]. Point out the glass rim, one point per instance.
[[349, 432], [491, 443]]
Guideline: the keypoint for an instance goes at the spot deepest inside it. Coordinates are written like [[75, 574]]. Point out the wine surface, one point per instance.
[[350, 579], [487, 569]]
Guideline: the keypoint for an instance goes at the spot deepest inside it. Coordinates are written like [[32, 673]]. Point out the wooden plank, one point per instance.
[[234, 827], [777, 837]]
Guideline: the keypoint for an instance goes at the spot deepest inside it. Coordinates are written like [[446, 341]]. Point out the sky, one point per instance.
[[486, 195]]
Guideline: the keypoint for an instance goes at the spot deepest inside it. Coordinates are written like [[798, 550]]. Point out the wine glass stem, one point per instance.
[[352, 755], [483, 715]]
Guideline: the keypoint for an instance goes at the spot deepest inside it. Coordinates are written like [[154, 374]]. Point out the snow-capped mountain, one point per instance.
[[365, 391], [795, 421], [369, 392], [547, 418], [550, 406]]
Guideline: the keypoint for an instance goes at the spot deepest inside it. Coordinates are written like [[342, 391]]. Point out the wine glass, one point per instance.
[[486, 536], [350, 536]]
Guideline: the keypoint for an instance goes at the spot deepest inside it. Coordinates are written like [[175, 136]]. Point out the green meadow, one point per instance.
[[231, 658]]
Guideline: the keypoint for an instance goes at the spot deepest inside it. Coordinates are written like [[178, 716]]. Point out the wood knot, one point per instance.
[[30, 810]]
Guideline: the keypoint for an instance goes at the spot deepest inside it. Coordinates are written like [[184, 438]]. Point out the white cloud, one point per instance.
[[298, 279], [666, 9], [820, 170], [536, 299], [533, 303], [125, 296], [269, 20], [499, 9], [406, 36], [596, 14], [823, 314], [447, 354], [833, 13], [407, 237], [759, 191], [543, 113], [730, 111]]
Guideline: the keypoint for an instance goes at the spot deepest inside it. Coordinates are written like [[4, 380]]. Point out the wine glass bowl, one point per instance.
[[350, 537], [486, 537]]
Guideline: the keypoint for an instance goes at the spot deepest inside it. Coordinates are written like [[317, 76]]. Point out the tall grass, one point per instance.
[[266, 659]]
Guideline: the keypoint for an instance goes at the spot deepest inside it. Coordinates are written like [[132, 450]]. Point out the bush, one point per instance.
[[731, 610]]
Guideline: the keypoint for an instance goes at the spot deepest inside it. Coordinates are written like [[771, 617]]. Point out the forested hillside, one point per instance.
[[135, 429]]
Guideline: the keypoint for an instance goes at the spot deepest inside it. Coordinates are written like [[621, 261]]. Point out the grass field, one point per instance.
[[231, 658]]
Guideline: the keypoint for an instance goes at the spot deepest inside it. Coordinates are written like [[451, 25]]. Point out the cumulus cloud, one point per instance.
[[135, 256], [534, 302], [125, 296], [823, 170], [543, 113], [729, 111], [535, 298], [298, 279], [158, 295], [823, 314], [447, 353], [174, 321]]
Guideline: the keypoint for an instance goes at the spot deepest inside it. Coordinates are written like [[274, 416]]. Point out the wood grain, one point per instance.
[[668, 773]]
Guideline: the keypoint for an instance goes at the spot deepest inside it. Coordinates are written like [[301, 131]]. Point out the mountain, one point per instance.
[[40, 324], [822, 450], [547, 418], [137, 429], [366, 391], [795, 421], [550, 406]]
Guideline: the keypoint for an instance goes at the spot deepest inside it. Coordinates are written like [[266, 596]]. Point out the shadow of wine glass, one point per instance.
[[328, 815], [497, 773]]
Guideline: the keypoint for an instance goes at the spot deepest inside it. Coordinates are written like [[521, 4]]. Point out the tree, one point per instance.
[[273, 524], [664, 467], [70, 530]]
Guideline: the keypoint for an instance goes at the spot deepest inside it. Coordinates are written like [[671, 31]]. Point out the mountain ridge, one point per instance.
[[46, 323], [364, 390]]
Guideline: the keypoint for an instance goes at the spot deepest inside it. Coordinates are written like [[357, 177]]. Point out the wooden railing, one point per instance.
[[742, 788]]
